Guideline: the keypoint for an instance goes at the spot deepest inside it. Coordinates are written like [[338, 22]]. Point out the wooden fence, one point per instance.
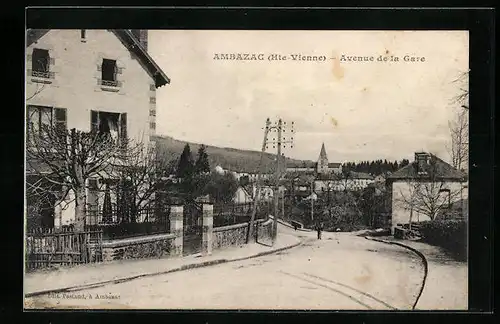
[[49, 247]]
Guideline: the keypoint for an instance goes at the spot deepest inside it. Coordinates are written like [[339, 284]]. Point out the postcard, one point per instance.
[[246, 169]]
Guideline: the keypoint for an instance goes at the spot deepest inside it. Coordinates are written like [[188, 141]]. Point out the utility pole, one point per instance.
[[280, 128], [277, 185], [312, 201], [250, 234], [283, 204]]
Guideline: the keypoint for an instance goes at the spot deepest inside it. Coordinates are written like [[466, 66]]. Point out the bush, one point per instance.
[[448, 234]]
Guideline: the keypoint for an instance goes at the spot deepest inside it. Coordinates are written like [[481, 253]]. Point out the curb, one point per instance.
[[181, 268], [420, 254]]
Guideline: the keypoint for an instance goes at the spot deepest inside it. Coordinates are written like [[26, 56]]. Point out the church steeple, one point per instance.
[[322, 154], [322, 160]]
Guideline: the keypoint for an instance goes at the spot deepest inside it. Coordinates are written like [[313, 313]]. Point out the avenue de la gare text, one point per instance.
[[315, 58]]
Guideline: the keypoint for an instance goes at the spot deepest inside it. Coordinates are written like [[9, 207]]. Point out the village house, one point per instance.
[[352, 181], [252, 176], [101, 80], [425, 189], [242, 196]]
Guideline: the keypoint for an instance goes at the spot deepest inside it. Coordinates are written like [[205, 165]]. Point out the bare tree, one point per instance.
[[459, 147], [426, 192], [463, 85], [140, 179], [67, 159], [459, 125], [346, 180]]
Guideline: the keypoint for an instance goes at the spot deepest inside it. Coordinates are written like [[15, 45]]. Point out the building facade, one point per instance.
[[424, 189], [102, 80]]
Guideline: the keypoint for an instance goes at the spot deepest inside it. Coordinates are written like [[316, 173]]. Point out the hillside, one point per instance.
[[228, 158]]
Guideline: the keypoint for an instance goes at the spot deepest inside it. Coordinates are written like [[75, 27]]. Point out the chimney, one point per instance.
[[142, 36], [422, 160]]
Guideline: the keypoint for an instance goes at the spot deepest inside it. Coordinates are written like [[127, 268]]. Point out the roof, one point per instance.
[[304, 180], [304, 164], [322, 154], [248, 188], [327, 176], [132, 44], [334, 165], [361, 175], [443, 171]]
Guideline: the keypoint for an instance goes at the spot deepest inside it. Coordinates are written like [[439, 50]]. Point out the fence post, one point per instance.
[[208, 224], [176, 228]]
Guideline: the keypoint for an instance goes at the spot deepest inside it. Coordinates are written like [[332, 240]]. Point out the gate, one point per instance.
[[193, 228]]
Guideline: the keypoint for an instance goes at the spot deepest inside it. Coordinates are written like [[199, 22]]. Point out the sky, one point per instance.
[[360, 110]]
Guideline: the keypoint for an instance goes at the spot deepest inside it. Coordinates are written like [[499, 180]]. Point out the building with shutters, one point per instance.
[[92, 80], [425, 186]]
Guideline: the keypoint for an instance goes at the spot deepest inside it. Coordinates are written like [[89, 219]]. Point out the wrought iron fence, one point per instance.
[[120, 222], [231, 213]]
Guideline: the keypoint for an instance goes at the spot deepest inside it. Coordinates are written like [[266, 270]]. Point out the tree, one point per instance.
[[66, 160], [221, 187], [202, 165], [140, 180], [346, 180], [427, 193], [244, 180], [342, 211], [462, 98], [459, 125], [186, 167], [459, 147]]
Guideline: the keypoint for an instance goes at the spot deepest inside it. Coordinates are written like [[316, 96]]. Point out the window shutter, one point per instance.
[[94, 121], [123, 130], [52, 61], [115, 72], [60, 120], [29, 57], [99, 67]]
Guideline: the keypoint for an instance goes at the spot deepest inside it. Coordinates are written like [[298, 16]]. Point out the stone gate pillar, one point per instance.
[[176, 228], [208, 224]]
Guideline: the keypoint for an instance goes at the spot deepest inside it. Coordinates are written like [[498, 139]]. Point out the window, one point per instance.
[[108, 70], [110, 124], [40, 63], [41, 119]]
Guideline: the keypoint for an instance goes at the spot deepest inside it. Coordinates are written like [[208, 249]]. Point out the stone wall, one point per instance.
[[153, 246], [236, 235], [232, 235]]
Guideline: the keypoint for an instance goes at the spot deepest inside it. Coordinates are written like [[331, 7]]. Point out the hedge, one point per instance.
[[448, 234]]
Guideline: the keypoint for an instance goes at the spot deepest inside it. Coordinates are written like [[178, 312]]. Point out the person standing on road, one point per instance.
[[318, 229]]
